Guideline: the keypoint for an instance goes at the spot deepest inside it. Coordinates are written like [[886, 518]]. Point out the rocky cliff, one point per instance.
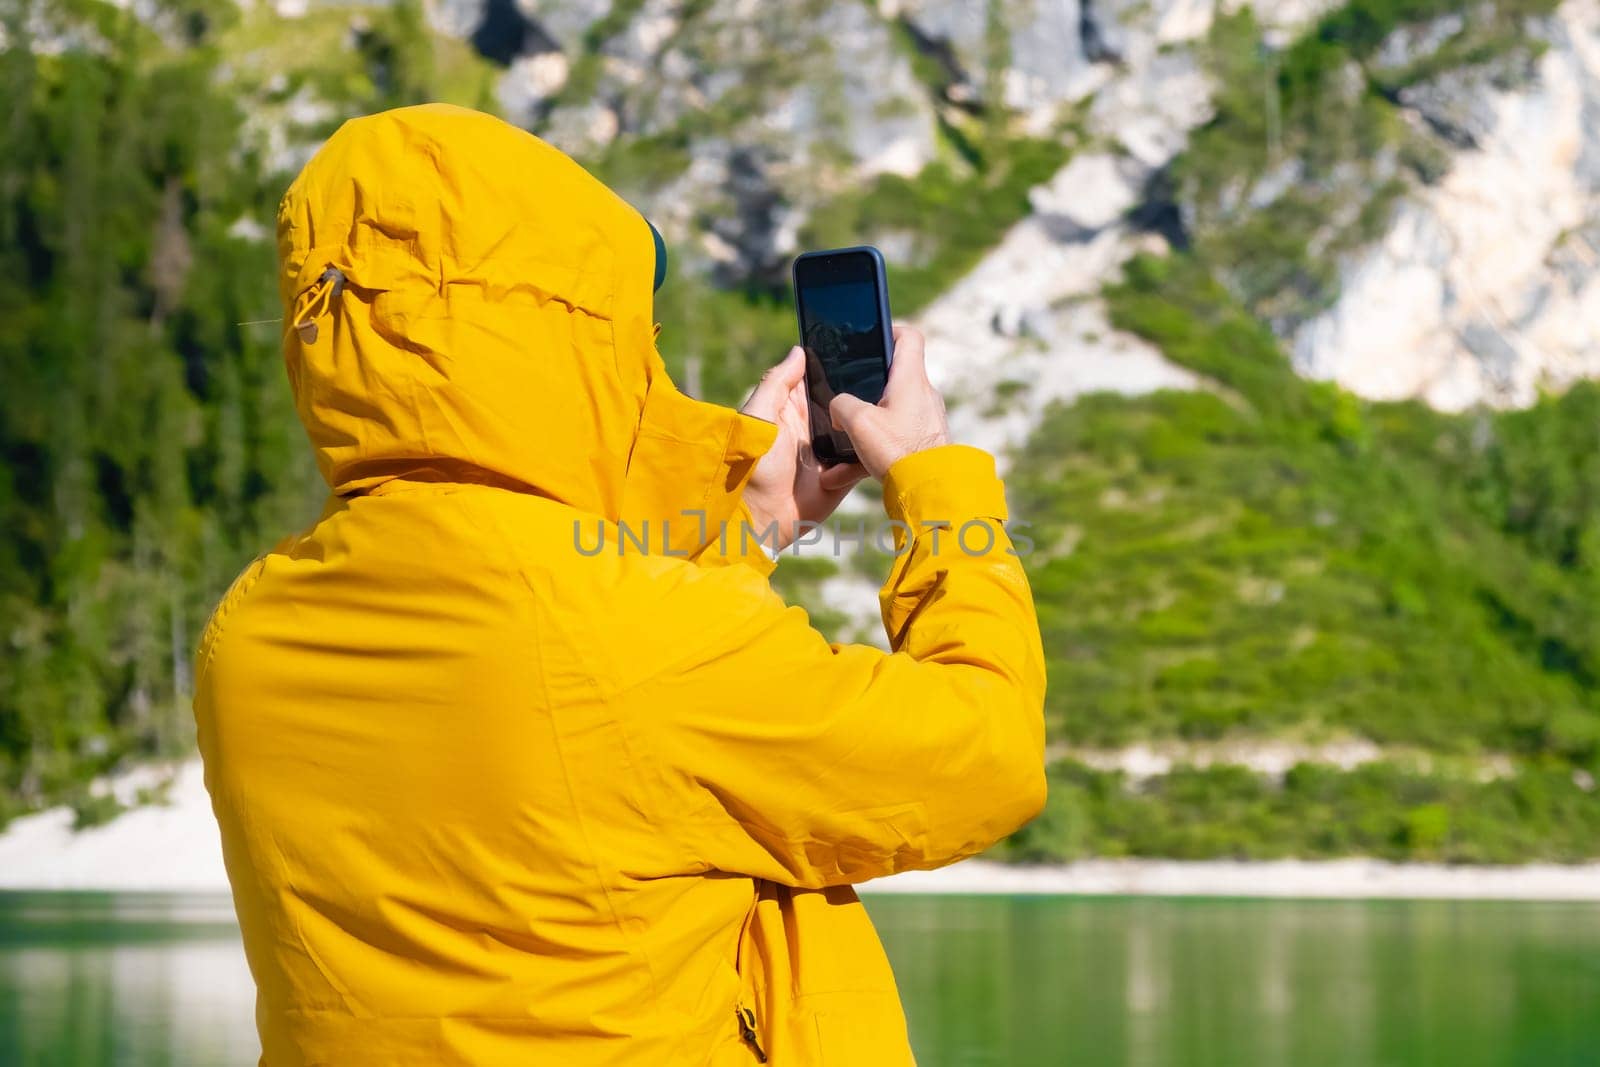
[[735, 123], [1484, 287]]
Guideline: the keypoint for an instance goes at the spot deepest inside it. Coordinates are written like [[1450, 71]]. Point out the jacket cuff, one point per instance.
[[749, 439], [948, 484], [746, 550], [735, 538]]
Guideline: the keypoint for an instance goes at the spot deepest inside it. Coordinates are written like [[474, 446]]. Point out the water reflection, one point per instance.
[[100, 979], [1246, 983]]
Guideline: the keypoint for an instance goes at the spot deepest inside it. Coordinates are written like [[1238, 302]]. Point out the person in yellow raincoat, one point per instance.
[[490, 796]]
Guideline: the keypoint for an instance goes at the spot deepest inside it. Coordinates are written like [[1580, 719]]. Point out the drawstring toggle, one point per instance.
[[315, 302]]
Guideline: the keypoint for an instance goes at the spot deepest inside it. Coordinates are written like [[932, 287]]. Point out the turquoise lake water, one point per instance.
[[89, 980]]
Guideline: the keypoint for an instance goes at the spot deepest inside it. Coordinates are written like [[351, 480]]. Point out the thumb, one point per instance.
[[910, 367], [768, 397], [849, 412]]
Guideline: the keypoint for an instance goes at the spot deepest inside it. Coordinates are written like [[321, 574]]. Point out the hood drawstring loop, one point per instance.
[[315, 302]]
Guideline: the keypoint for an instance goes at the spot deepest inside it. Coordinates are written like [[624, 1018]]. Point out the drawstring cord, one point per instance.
[[315, 302]]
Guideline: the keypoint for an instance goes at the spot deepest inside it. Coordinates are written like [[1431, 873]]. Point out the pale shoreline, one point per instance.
[[174, 848], [1344, 879]]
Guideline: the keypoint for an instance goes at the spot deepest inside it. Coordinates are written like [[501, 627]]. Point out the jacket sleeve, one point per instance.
[[769, 753]]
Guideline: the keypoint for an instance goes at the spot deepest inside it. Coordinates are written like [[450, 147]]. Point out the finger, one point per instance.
[[847, 411], [840, 476], [793, 368], [909, 367], [797, 402], [775, 386]]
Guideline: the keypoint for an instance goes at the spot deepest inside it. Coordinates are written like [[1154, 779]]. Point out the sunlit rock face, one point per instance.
[[1484, 289], [791, 103], [1057, 55], [1027, 327], [784, 106], [780, 106], [1479, 290]]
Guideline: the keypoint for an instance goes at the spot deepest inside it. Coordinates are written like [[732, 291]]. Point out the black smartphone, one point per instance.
[[842, 298]]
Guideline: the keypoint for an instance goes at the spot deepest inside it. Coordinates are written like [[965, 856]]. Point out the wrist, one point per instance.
[[912, 448]]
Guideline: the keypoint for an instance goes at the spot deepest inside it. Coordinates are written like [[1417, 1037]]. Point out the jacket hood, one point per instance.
[[494, 320]]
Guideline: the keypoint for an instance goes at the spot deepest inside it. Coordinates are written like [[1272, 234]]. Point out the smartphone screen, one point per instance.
[[843, 301]]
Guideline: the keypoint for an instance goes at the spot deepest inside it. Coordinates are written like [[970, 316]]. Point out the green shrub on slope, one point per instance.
[[1275, 553], [1385, 810]]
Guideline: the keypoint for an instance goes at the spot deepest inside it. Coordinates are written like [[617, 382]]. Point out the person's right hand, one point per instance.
[[909, 418]]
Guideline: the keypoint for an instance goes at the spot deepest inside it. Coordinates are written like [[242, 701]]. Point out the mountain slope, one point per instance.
[[1227, 554], [1271, 556]]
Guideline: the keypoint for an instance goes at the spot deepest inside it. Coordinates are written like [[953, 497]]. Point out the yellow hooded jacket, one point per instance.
[[490, 796]]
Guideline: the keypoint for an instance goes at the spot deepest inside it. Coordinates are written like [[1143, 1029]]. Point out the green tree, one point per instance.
[[145, 431]]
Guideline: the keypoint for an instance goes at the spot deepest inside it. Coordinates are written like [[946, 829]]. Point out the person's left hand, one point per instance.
[[789, 486]]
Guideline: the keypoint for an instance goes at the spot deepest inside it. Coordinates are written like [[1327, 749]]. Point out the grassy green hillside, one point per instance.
[[1275, 558], [1273, 552]]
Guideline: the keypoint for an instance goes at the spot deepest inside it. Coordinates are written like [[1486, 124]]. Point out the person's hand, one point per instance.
[[909, 418], [789, 486]]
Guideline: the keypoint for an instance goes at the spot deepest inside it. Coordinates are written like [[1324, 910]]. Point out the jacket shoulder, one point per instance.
[[640, 610], [237, 591]]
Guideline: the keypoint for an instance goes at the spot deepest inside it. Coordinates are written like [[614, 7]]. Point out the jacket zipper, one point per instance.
[[746, 1017], [747, 1030]]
